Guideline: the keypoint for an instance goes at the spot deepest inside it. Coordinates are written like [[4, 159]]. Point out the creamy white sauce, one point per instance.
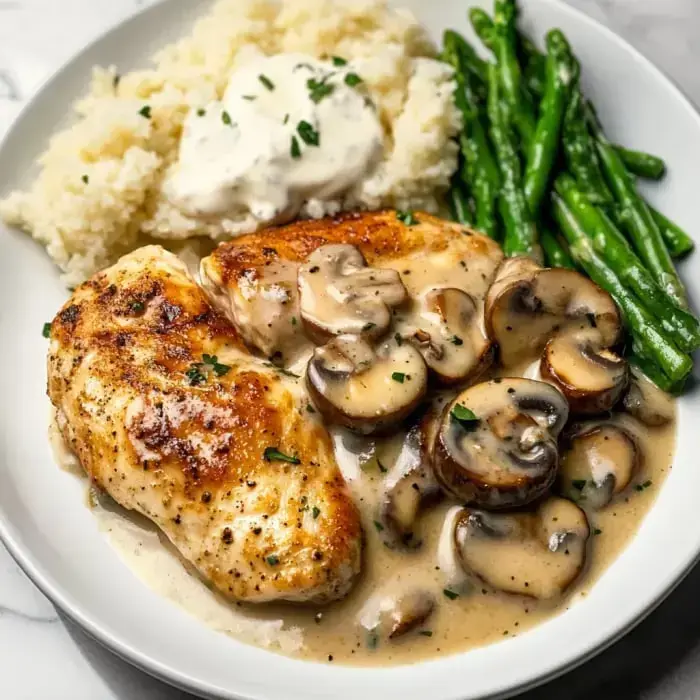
[[276, 142]]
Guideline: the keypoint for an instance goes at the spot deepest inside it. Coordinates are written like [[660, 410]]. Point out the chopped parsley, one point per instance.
[[382, 468], [456, 340], [645, 485], [379, 527], [352, 79], [450, 594], [137, 306], [85, 179], [272, 560], [294, 320], [201, 112], [250, 98], [578, 484], [310, 408], [272, 454], [369, 326], [464, 416], [319, 89], [406, 217], [213, 362], [425, 633], [372, 639], [308, 134], [338, 61], [46, 330], [266, 82], [145, 112], [286, 119], [398, 339], [295, 150], [195, 375], [226, 118], [398, 377], [597, 531], [199, 371], [315, 512]]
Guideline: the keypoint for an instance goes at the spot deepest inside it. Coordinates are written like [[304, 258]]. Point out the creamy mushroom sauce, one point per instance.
[[459, 614]]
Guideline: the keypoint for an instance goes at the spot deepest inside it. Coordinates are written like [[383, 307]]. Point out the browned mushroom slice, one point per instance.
[[365, 390], [390, 616], [599, 462], [340, 294], [527, 304], [411, 484], [497, 443], [647, 403], [537, 554], [448, 330], [591, 377]]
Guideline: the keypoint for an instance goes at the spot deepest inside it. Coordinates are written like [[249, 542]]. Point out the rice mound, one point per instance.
[[98, 194]]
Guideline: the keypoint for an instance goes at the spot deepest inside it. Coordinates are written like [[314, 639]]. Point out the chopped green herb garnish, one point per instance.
[[425, 633], [295, 149], [310, 408], [645, 485], [398, 377], [272, 454], [398, 339], [369, 326], [85, 179], [266, 82], [379, 527], [456, 340], [46, 330], [464, 416], [282, 370], [338, 61], [201, 112], [372, 640], [352, 79], [318, 90], [597, 531], [226, 118], [579, 484], [308, 134], [137, 306], [250, 98], [195, 375], [213, 362], [382, 468], [450, 594], [286, 119], [272, 560], [145, 112], [406, 217], [315, 512], [294, 320]]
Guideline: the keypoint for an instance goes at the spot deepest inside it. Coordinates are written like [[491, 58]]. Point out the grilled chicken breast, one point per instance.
[[172, 417], [253, 279]]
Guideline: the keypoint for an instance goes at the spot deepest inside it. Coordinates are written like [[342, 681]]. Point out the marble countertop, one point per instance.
[[45, 657]]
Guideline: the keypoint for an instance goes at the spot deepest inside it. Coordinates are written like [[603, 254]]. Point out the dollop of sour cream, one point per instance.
[[290, 129]]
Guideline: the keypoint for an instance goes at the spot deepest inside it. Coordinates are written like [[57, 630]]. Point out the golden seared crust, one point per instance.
[[190, 456], [381, 237]]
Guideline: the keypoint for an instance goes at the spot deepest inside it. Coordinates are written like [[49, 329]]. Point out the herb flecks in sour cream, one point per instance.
[[239, 156]]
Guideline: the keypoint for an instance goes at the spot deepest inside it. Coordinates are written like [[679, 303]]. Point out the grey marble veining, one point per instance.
[[45, 657]]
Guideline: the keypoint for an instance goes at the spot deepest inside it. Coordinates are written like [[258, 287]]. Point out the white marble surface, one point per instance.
[[44, 657]]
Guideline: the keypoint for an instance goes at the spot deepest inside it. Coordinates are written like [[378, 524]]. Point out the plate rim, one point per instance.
[[73, 610]]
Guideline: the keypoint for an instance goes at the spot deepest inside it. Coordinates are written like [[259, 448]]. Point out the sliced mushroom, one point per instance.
[[647, 403], [365, 390], [448, 331], [507, 455], [537, 554], [390, 616], [527, 305], [599, 462], [339, 294], [591, 377], [410, 486]]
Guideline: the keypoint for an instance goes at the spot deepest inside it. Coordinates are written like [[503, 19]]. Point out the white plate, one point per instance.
[[55, 539]]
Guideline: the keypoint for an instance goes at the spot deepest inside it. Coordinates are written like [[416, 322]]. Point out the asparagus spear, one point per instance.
[[480, 172], [555, 252], [469, 60], [483, 27], [640, 224], [561, 73], [678, 242], [611, 245], [522, 114], [642, 164], [521, 236], [649, 341], [460, 207]]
